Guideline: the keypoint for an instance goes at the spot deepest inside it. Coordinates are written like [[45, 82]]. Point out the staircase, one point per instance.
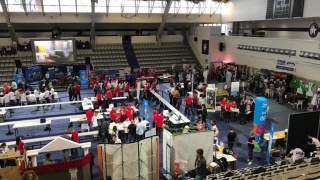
[[131, 56]]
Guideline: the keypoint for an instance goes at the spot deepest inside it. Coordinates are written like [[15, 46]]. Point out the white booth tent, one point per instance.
[[57, 144], [137, 160], [182, 147]]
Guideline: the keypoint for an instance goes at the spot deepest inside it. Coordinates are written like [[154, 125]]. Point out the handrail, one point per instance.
[[177, 112]]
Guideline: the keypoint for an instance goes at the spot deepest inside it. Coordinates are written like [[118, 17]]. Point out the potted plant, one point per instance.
[[294, 85]]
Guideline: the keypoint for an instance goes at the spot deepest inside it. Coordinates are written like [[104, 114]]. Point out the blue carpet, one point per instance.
[[277, 114]]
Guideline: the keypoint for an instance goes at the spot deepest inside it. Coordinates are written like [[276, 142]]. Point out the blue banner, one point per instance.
[[145, 109], [33, 74], [51, 73], [270, 143], [259, 122], [70, 70], [19, 78], [84, 82]]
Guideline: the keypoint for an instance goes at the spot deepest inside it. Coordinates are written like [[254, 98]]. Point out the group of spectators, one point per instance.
[[8, 50]]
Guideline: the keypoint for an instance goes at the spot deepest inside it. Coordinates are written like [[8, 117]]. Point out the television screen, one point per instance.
[[53, 51]]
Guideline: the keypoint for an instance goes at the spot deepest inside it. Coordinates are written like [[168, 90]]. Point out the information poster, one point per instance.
[[51, 73], [84, 82], [235, 88], [19, 78], [70, 70], [211, 99]]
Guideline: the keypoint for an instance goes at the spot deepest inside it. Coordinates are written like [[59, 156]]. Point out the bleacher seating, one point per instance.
[[163, 56], [106, 56], [307, 169], [7, 65]]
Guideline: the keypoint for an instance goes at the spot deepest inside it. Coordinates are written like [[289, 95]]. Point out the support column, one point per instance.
[[164, 20], [93, 30]]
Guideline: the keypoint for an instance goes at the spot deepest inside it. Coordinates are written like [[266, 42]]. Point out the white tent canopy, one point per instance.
[[59, 144]]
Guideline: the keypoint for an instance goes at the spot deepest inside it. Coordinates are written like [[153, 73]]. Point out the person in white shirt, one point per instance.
[[115, 139], [6, 99], [23, 98], [17, 94], [140, 130], [47, 75], [12, 98], [37, 95], [125, 125], [295, 154], [46, 95], [14, 86], [145, 122], [215, 131], [52, 93], [95, 121], [315, 141]]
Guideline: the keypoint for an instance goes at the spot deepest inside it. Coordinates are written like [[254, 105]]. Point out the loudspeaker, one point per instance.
[[221, 46], [43, 120], [18, 63], [87, 59], [195, 39]]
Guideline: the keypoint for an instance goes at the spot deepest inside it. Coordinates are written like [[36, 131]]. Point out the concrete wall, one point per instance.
[[306, 68]]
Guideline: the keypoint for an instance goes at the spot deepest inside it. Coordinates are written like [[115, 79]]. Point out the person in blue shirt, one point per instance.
[[140, 130]]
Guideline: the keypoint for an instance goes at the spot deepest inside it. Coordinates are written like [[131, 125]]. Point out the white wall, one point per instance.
[[214, 53], [306, 68], [5, 42], [244, 10], [172, 38], [108, 39], [246, 27], [205, 30], [311, 8], [143, 39]]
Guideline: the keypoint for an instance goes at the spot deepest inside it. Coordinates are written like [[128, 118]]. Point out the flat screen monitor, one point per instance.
[[55, 51]]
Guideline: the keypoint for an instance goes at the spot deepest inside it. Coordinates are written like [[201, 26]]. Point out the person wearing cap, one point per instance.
[[52, 93], [46, 95], [95, 121], [17, 94], [23, 98], [37, 95]]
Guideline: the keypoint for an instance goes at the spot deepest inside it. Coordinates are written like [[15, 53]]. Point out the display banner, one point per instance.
[[33, 74], [70, 70], [286, 65], [145, 109], [205, 47], [19, 78], [259, 122], [84, 79], [51, 73], [211, 99], [222, 90], [235, 88], [270, 142]]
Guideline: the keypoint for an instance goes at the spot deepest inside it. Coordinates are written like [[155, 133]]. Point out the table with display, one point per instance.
[[276, 135], [33, 123], [230, 159], [32, 98], [81, 118], [104, 100], [174, 119]]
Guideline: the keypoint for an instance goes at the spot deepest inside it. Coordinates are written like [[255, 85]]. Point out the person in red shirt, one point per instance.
[[6, 88], [113, 110], [118, 91], [155, 114], [204, 90], [20, 145], [195, 99], [188, 103], [129, 113], [159, 122], [109, 96], [77, 88], [223, 104], [74, 138], [233, 104], [105, 84], [99, 98], [147, 91], [228, 111], [114, 117], [89, 115]]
